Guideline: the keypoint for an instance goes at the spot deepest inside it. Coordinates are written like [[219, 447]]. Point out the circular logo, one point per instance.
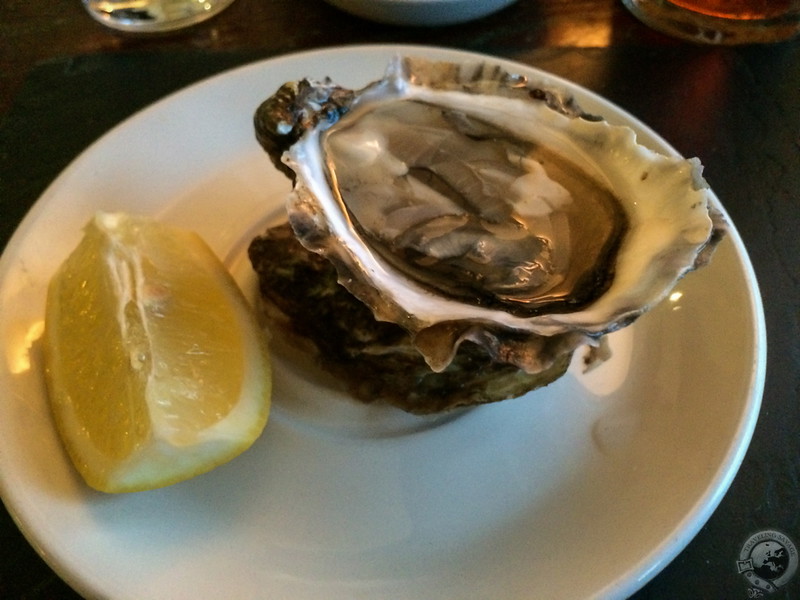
[[768, 560]]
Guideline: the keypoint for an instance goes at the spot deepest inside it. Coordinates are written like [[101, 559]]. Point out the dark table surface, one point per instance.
[[65, 80]]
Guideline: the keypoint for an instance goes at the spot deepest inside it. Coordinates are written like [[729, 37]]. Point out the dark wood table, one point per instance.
[[65, 80]]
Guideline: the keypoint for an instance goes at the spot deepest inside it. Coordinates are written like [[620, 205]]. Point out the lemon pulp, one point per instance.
[[156, 369]]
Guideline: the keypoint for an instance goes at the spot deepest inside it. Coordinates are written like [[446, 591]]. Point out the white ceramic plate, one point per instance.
[[584, 489], [428, 13]]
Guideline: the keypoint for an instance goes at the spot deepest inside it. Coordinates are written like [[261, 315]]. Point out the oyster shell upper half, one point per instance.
[[462, 202]]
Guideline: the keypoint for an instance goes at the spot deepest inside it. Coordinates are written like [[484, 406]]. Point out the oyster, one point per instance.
[[463, 203]]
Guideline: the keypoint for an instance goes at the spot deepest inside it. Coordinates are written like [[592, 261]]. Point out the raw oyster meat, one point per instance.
[[466, 204]]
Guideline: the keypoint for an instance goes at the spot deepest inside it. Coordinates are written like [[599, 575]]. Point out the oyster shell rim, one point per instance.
[[413, 311]]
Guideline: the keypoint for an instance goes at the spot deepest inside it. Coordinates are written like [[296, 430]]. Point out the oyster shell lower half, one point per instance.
[[301, 300], [463, 203]]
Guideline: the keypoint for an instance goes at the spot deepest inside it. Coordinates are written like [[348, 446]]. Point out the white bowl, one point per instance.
[[421, 12]]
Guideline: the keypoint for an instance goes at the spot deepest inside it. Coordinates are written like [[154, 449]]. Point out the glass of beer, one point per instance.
[[721, 21]]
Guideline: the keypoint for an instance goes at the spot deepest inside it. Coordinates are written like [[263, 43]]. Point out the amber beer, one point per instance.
[[738, 9], [721, 21]]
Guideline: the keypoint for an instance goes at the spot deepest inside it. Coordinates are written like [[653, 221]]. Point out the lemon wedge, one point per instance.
[[155, 367]]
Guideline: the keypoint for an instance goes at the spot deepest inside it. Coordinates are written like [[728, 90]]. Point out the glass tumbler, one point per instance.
[[721, 21], [153, 15]]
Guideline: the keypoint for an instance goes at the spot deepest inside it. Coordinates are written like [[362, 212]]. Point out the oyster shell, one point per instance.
[[373, 361], [462, 202]]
